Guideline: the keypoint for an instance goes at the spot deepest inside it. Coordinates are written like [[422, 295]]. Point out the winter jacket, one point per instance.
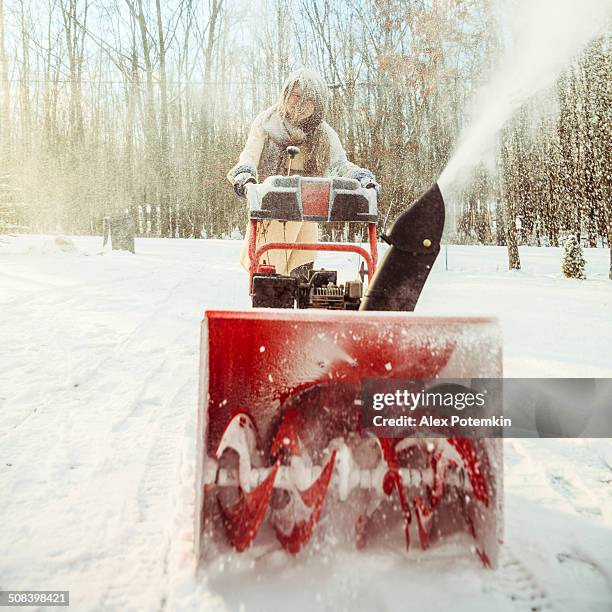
[[264, 155]]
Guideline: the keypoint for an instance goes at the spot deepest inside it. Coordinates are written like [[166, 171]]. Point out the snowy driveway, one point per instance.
[[98, 390]]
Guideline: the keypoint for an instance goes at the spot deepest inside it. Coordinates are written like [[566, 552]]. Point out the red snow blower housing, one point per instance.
[[283, 459]]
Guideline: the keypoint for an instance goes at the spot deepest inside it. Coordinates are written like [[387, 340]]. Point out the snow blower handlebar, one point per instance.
[[317, 199]]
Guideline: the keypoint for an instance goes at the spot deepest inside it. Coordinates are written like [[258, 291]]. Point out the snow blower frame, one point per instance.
[[297, 198], [283, 459]]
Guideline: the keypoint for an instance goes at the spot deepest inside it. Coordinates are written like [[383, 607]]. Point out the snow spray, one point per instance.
[[546, 34]]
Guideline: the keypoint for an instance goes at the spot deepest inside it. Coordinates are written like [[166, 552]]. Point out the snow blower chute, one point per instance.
[[283, 458]]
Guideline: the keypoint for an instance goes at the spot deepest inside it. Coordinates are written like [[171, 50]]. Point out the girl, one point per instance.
[[297, 119]]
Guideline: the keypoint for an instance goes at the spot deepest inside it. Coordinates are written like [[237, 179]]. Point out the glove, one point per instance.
[[240, 181], [366, 179], [242, 175]]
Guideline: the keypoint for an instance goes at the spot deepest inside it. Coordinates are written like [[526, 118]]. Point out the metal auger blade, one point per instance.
[[294, 523], [308, 502], [244, 517], [242, 510]]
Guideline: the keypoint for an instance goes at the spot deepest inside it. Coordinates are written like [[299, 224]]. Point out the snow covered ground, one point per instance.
[[98, 388]]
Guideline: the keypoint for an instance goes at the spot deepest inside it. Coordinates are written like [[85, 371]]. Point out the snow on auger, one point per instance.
[[282, 455]]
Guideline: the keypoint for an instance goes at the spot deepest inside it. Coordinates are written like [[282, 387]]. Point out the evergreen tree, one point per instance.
[[573, 261]]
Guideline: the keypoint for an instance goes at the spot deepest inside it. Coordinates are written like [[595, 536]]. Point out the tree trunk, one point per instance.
[[164, 173], [150, 123], [130, 158], [206, 136], [24, 85], [514, 259], [5, 134], [75, 49]]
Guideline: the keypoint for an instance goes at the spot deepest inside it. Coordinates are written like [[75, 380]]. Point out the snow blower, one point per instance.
[[283, 456]]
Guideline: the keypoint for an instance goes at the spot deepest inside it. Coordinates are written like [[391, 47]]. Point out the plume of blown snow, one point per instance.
[[545, 36]]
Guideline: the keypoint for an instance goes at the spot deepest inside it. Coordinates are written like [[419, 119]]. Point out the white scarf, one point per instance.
[[280, 130]]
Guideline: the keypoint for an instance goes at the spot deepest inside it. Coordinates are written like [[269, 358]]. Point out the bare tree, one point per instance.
[[74, 23], [5, 99]]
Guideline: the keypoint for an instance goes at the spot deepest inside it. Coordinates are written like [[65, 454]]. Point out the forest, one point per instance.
[[142, 106]]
